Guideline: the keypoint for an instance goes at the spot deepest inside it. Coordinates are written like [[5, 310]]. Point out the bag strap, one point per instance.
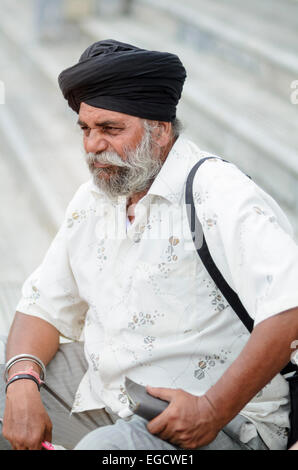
[[204, 254]]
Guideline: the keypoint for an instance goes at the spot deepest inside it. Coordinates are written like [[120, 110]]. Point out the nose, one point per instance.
[[94, 142]]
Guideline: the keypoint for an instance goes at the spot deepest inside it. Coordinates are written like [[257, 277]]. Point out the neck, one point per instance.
[[134, 199]]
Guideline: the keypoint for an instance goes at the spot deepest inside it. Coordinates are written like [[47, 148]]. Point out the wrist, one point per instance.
[[28, 374], [219, 408], [23, 366], [22, 386]]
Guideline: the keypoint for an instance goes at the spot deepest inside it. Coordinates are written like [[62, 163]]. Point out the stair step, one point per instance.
[[251, 42]]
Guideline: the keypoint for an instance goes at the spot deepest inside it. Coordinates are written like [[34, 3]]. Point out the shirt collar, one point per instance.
[[170, 181]]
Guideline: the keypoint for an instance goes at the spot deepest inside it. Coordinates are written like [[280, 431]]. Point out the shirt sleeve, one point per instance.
[[51, 291], [249, 237]]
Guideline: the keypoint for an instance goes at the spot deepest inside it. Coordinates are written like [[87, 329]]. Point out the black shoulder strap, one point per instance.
[[204, 253]]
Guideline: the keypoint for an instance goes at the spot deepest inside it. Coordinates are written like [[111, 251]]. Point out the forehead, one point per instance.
[[92, 115]]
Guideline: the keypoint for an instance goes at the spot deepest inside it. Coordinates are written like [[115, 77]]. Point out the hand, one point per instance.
[[189, 421], [25, 423]]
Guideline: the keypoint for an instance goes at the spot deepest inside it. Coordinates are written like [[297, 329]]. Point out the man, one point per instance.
[[123, 266]]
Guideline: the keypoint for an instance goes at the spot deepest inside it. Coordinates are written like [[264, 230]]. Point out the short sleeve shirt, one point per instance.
[[146, 305]]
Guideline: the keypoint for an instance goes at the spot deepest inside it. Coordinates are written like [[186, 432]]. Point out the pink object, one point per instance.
[[30, 371], [47, 445]]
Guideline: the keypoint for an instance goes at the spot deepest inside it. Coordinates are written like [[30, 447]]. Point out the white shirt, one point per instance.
[[149, 309]]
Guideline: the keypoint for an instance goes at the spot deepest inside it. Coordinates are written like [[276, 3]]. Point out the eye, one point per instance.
[[111, 129], [85, 130]]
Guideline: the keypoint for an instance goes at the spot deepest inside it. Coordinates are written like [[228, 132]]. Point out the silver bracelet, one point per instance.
[[25, 357]]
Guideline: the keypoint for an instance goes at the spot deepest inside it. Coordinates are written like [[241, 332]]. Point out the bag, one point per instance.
[[141, 403], [231, 296]]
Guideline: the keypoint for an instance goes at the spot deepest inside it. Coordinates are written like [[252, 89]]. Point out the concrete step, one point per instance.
[[247, 38], [41, 163], [42, 130], [269, 21], [25, 234], [22, 225]]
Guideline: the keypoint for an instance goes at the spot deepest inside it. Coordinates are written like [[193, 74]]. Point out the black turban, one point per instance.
[[124, 78]]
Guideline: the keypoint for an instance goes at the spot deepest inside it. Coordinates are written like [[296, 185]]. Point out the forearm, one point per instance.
[[31, 335], [266, 353], [26, 423]]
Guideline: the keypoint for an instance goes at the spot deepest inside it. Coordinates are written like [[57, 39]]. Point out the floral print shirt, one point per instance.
[[144, 302]]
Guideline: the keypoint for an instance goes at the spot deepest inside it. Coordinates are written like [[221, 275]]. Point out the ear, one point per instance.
[[163, 133]]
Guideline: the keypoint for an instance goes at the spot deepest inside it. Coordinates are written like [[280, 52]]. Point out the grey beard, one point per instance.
[[128, 177]]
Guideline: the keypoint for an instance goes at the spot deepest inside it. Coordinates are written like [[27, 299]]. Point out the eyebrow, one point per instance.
[[101, 124]]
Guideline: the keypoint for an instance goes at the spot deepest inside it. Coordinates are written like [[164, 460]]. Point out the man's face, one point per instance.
[[110, 131], [120, 150]]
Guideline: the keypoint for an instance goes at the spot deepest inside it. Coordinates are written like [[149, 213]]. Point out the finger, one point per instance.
[[167, 434], [18, 446], [159, 423], [156, 430], [160, 392], [35, 446], [36, 442], [48, 434]]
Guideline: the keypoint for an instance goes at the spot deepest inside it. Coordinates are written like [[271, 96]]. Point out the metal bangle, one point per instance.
[[24, 357], [21, 360]]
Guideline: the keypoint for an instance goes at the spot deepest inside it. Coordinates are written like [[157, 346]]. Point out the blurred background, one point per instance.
[[240, 101]]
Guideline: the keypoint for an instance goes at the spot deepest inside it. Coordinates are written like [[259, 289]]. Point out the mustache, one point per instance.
[[111, 158]]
